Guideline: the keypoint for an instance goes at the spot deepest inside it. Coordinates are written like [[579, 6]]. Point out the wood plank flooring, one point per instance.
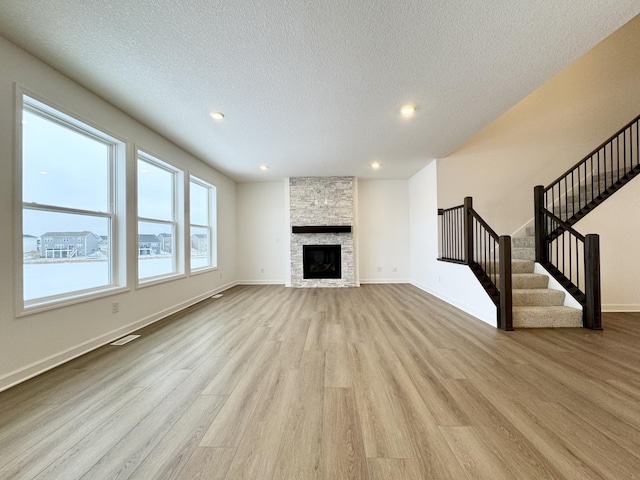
[[377, 382]]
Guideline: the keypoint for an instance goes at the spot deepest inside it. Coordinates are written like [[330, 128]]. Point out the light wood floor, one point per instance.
[[377, 382]]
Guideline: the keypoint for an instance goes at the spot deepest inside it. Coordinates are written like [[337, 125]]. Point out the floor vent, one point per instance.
[[126, 339], [217, 295]]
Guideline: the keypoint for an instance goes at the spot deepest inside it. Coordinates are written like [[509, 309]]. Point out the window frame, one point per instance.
[[177, 222], [117, 281], [212, 193]]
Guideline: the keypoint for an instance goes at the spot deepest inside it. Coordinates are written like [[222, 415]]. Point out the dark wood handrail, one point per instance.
[[486, 226], [593, 152], [565, 226], [489, 261]]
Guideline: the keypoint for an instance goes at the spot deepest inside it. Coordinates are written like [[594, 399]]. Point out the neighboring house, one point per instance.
[[68, 244], [104, 240], [148, 244], [166, 242], [29, 243], [200, 242]]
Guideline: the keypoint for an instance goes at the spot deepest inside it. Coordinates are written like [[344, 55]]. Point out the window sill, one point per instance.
[[202, 270], [159, 280]]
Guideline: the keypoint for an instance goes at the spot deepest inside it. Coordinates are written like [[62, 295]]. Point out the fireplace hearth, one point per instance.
[[321, 261]]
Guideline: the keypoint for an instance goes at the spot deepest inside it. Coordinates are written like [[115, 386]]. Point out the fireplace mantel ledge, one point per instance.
[[322, 229]]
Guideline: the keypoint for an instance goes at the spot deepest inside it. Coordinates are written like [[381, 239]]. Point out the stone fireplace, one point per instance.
[[322, 217]]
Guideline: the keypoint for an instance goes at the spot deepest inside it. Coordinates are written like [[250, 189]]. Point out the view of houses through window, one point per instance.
[[157, 225], [201, 212], [69, 211], [67, 217]]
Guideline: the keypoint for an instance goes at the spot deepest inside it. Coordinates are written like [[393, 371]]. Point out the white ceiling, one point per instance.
[[312, 87]]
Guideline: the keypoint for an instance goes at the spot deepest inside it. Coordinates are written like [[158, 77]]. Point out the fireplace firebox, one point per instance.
[[321, 261]]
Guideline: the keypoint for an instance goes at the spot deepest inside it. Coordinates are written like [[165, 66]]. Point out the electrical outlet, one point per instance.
[[379, 269], [115, 307], [394, 269], [262, 270]]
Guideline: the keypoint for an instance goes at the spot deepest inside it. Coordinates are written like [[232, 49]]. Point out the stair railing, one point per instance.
[[465, 238], [571, 258], [588, 183]]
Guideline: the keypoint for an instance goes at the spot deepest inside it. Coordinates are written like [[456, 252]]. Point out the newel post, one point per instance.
[[592, 315], [468, 230], [540, 234], [441, 244], [505, 313]]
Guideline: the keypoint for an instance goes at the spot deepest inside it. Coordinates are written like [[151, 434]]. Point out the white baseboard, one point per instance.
[[36, 368], [384, 280], [261, 282], [613, 307]]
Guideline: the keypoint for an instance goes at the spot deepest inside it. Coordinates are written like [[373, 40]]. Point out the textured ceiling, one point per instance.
[[312, 87]]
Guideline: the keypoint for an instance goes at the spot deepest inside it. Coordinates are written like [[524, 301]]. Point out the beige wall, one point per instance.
[[545, 134], [33, 343]]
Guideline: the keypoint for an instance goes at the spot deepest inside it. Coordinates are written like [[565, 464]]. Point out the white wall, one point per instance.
[[453, 283], [262, 233], [383, 231], [617, 221], [33, 343]]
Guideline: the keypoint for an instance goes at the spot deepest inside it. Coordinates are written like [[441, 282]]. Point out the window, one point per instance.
[[68, 190], [158, 207], [202, 214]]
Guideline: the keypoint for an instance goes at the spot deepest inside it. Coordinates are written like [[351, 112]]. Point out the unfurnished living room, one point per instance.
[[319, 240]]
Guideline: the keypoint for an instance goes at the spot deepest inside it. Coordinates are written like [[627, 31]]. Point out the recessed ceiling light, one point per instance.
[[264, 167], [376, 165], [217, 115], [43, 173], [408, 110]]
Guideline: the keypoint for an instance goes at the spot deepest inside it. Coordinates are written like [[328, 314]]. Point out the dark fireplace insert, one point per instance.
[[321, 261]]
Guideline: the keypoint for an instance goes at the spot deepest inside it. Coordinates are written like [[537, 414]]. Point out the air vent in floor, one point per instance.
[[126, 339]]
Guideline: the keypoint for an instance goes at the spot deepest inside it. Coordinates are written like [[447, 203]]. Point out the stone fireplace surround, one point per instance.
[[322, 202]]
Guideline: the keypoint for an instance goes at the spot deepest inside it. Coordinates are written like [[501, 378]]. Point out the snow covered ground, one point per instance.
[[56, 278]]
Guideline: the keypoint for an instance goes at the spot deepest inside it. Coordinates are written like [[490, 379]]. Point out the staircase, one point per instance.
[[534, 304], [505, 267]]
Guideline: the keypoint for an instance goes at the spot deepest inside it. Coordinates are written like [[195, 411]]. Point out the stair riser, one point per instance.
[[538, 298], [522, 267], [529, 281], [523, 242], [528, 317], [523, 253]]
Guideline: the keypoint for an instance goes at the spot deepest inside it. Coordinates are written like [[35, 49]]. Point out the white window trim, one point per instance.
[[212, 190], [117, 203], [177, 222]]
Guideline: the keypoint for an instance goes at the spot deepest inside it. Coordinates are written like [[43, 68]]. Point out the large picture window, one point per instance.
[[68, 206], [202, 214], [158, 228]]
